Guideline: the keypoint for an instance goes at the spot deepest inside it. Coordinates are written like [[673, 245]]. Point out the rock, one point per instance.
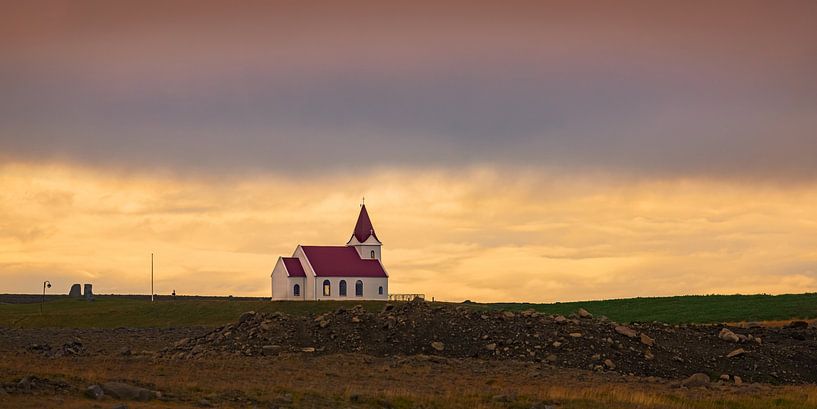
[[737, 352], [308, 349], [323, 323], [648, 355], [724, 378], [560, 319], [753, 324], [75, 291], [738, 380], [246, 317], [609, 364], [491, 346], [646, 340], [438, 346], [270, 349], [205, 403], [798, 324], [88, 292], [584, 313], [508, 314], [557, 344], [501, 398], [542, 405], [530, 312], [124, 391], [94, 392], [626, 331], [182, 342], [696, 380], [551, 358], [728, 335], [575, 334]]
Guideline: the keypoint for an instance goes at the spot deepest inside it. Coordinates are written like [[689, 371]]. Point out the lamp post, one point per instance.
[[46, 284]]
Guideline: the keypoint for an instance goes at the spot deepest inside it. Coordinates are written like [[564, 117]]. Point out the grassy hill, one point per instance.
[[114, 311]]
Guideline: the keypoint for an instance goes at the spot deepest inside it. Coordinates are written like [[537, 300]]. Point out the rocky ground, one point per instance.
[[417, 352], [757, 354]]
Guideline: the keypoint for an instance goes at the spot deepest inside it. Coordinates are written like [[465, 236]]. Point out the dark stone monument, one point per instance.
[[76, 291], [89, 294]]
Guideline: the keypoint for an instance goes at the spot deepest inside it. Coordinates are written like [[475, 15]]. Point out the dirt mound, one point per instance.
[[782, 355]]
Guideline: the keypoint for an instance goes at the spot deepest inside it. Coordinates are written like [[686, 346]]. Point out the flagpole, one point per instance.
[[151, 277]]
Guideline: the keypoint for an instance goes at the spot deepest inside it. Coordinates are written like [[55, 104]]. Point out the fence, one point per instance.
[[406, 297]]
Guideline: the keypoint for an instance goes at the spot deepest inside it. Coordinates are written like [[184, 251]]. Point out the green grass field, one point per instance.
[[111, 312]]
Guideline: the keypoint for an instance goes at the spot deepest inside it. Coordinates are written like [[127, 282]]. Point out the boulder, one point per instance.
[[727, 335], [584, 313], [75, 291], [125, 391], [696, 380], [738, 380], [88, 292], [626, 331], [609, 364], [491, 346], [438, 346], [94, 392], [646, 340]]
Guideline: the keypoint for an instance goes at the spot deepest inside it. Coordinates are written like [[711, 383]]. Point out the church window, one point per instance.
[[342, 288], [327, 288], [359, 288], [372, 253], [380, 290], [296, 290]]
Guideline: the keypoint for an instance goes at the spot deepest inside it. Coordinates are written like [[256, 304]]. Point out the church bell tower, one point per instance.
[[364, 239]]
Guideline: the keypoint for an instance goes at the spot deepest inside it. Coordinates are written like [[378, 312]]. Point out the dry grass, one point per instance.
[[358, 381]]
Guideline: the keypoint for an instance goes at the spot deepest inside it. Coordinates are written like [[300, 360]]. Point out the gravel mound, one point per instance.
[[783, 355]]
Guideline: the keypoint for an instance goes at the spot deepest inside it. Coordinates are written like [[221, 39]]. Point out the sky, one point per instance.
[[508, 151]]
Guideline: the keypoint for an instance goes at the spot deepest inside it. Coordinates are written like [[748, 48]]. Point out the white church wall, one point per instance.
[[282, 284], [370, 288]]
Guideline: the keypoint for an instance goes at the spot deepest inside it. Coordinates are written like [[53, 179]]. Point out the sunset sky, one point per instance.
[[522, 151]]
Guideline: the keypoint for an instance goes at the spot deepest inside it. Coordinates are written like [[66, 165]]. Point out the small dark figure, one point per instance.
[[174, 294]]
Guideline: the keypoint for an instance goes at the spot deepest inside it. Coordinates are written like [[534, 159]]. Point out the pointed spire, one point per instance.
[[363, 227]]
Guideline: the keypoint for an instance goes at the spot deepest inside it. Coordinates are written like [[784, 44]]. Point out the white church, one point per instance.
[[354, 271]]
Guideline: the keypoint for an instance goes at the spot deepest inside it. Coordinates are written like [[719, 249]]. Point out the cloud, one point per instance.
[[663, 91], [453, 235]]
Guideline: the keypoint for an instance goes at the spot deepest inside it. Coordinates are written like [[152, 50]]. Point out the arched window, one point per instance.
[[372, 253], [296, 290], [342, 288], [327, 288], [380, 290], [359, 288]]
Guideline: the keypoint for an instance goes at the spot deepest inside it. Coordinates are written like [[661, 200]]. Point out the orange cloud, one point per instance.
[[483, 234]]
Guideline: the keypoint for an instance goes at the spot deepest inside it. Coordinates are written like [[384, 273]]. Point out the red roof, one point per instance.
[[341, 261], [294, 267], [364, 228]]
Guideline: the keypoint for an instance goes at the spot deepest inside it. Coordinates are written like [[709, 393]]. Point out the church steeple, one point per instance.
[[363, 227], [364, 239]]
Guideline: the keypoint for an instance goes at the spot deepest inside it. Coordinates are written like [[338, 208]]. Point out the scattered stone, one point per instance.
[[724, 378], [124, 391], [798, 324], [551, 358], [696, 380], [738, 380], [508, 314], [609, 364], [556, 344], [438, 346], [575, 334], [560, 319], [737, 352], [584, 313], [626, 331], [646, 340], [94, 392], [308, 349], [491, 346], [728, 335], [648, 355]]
